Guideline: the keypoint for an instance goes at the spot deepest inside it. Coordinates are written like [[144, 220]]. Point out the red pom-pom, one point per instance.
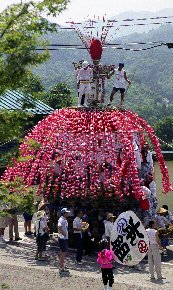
[[96, 49]]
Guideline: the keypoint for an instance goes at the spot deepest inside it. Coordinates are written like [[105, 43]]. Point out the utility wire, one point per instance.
[[170, 45]]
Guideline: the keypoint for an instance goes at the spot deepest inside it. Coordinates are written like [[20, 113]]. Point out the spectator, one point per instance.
[[27, 223], [151, 184], [147, 161], [77, 227], [168, 215], [105, 258], [154, 257], [145, 204], [42, 236], [63, 238], [13, 224], [87, 234], [163, 224], [101, 224], [109, 226]]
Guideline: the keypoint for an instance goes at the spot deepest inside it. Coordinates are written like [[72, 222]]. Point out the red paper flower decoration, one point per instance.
[[86, 153]]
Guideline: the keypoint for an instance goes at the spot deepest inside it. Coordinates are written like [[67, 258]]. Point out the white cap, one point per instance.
[[85, 64], [65, 210]]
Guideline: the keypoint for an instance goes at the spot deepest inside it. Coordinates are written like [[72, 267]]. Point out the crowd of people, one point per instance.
[[81, 230], [88, 225], [83, 236]]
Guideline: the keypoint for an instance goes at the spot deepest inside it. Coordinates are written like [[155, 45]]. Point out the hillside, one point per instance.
[[151, 70]]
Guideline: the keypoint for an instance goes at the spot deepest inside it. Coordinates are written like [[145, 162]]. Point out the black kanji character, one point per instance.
[[132, 231], [120, 249]]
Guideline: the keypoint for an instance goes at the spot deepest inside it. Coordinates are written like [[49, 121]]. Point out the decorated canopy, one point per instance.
[[86, 153]]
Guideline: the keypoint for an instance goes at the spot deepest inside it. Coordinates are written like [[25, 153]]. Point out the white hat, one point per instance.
[[65, 210], [85, 64]]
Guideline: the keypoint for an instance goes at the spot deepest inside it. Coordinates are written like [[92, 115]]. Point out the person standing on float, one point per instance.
[[120, 82], [84, 80]]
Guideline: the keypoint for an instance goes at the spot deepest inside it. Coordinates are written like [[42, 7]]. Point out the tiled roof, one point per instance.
[[14, 100]]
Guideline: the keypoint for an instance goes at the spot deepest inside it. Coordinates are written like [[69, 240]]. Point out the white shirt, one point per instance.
[[152, 187], [152, 236], [85, 74], [146, 191], [149, 159], [120, 81], [39, 227], [161, 221], [138, 158], [63, 223], [77, 224], [108, 228]]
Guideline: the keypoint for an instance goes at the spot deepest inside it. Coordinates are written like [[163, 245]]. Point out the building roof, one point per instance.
[[14, 100]]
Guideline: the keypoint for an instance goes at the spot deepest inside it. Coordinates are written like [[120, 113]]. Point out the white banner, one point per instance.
[[129, 239]]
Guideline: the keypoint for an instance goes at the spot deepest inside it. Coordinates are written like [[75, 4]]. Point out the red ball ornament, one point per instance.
[[96, 49]]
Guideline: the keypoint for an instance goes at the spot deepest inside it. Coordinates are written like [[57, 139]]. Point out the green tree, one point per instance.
[[21, 28], [15, 195], [12, 124], [59, 96], [164, 130]]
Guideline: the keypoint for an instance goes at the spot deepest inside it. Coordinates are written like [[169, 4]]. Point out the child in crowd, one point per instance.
[[42, 236], [105, 258]]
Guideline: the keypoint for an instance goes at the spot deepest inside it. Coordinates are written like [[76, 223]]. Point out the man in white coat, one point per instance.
[[84, 79]]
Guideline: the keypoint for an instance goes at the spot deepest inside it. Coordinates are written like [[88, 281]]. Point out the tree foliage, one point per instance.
[[151, 70], [21, 27], [59, 96], [15, 196], [164, 130], [12, 124]]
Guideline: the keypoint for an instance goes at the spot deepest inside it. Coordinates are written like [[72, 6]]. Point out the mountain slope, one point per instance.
[[153, 68]]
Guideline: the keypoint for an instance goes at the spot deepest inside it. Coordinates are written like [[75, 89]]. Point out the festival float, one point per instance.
[[89, 156]]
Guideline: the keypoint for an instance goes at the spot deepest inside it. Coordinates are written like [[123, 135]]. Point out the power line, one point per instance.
[[170, 45]]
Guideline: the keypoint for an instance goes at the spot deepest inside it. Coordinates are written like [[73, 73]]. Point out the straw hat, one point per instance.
[[85, 226], [110, 215], [40, 214], [161, 210]]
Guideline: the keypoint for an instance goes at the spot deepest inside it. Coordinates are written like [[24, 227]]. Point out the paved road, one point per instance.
[[18, 257]]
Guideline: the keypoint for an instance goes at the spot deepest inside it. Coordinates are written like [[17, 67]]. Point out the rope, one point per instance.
[[6, 142], [165, 143]]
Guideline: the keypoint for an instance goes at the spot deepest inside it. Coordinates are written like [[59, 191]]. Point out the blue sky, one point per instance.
[[80, 9]]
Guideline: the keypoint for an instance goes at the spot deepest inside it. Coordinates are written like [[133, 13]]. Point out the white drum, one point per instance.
[[129, 239]]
